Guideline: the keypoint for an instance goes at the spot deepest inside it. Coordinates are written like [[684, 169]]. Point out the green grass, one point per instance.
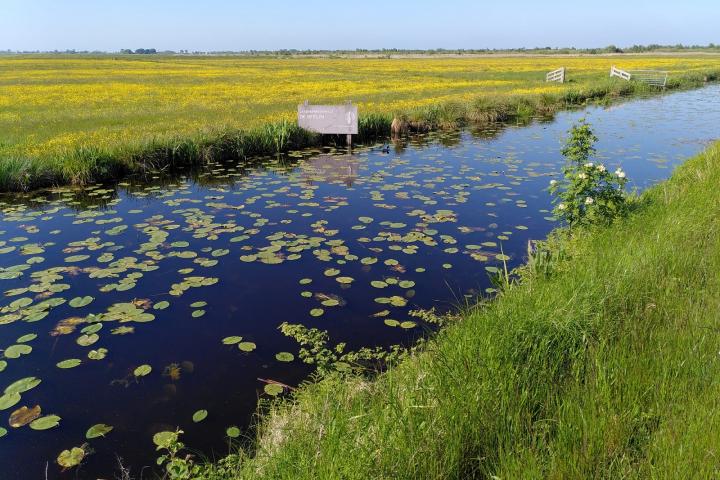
[[607, 366]]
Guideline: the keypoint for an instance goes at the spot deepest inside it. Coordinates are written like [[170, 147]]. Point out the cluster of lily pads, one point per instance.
[[268, 218]]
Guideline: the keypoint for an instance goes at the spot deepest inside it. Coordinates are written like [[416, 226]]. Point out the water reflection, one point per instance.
[[331, 169]]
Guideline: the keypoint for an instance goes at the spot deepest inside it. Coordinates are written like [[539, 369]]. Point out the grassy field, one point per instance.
[[77, 119], [605, 366]]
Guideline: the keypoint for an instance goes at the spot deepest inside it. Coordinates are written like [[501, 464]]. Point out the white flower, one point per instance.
[[553, 182], [561, 206], [589, 201], [620, 173], [582, 176], [589, 165], [601, 168]]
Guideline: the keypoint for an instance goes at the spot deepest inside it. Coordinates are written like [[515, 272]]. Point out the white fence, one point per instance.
[[556, 75], [657, 78], [616, 72], [651, 77]]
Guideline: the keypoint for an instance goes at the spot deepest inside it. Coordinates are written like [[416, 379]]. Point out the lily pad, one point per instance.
[[94, 328], [233, 432], [247, 346], [76, 258], [45, 423], [71, 458], [199, 416], [24, 415], [164, 439], [27, 338], [161, 305], [87, 340], [273, 389], [23, 385], [142, 370], [285, 357], [232, 340], [98, 430], [15, 351], [397, 301], [9, 400], [79, 302], [69, 363], [98, 354]]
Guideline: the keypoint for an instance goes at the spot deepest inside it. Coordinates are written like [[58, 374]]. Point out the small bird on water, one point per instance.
[[386, 149]]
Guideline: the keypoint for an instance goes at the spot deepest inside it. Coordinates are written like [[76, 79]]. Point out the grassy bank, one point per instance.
[[607, 365], [85, 119]]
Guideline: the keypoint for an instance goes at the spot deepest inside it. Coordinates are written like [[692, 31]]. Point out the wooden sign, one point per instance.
[[556, 75], [329, 119]]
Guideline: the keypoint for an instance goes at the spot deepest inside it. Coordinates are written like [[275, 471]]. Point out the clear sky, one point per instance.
[[345, 24]]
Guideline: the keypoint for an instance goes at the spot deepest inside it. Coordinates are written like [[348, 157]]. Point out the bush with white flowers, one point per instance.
[[588, 193]]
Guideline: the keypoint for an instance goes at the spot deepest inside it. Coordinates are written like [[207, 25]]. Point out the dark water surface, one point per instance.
[[426, 219]]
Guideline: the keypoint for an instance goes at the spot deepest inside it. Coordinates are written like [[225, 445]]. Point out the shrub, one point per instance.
[[589, 193]]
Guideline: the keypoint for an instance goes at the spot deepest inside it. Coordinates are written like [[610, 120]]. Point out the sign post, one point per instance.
[[329, 119]]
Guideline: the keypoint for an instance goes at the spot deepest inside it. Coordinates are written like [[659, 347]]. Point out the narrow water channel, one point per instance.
[[170, 273]]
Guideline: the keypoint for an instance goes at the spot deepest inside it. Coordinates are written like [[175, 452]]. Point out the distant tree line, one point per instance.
[[139, 51], [398, 51], [462, 51]]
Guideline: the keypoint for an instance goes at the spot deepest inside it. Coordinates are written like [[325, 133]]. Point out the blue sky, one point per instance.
[[343, 24]]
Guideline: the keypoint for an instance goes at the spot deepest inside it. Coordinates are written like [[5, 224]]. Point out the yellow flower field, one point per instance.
[[52, 104]]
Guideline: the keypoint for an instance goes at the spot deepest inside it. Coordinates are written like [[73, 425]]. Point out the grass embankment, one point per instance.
[[606, 367], [81, 119]]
